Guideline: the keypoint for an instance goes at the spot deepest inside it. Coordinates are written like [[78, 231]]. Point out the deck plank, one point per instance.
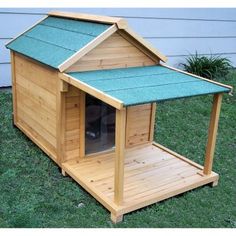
[[151, 174]]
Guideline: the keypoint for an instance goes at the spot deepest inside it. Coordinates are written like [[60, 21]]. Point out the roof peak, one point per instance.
[[120, 22]]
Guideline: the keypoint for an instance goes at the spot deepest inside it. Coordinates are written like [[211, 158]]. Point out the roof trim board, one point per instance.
[[114, 102], [88, 47], [121, 23], [144, 43]]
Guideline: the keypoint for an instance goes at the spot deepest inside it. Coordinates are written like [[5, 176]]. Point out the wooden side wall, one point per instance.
[[35, 102], [72, 124], [139, 124], [114, 52]]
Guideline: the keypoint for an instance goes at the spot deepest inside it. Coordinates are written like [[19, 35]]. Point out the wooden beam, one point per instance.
[[88, 47], [116, 218], [139, 46], [60, 120], [92, 91], [152, 121], [212, 132], [82, 124], [63, 86], [87, 17], [199, 77], [145, 44], [13, 79], [119, 156]]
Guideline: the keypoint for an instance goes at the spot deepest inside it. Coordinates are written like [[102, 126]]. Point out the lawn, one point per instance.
[[33, 193]]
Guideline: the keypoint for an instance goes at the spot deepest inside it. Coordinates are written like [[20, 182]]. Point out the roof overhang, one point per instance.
[[141, 85], [114, 102]]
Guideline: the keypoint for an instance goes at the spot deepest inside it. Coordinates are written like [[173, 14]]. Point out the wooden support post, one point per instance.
[[13, 77], [82, 124], [152, 121], [60, 119], [120, 155], [116, 219], [64, 86], [215, 183], [212, 132], [63, 172]]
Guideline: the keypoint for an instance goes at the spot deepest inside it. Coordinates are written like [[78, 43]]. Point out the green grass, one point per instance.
[[33, 192]]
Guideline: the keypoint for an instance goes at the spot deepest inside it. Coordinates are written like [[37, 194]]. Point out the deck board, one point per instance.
[[151, 174]]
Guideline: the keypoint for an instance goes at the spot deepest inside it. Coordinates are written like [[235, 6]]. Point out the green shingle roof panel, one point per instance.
[[84, 27], [139, 85], [120, 73], [55, 39], [51, 55], [166, 92], [62, 38]]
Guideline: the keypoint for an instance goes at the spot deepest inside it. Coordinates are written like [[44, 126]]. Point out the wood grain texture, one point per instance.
[[114, 52], [120, 155], [72, 123], [60, 119], [139, 124], [86, 17], [35, 88], [82, 104], [212, 133], [145, 44], [152, 121], [150, 175]]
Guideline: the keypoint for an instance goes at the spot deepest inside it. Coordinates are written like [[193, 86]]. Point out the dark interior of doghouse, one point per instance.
[[99, 126]]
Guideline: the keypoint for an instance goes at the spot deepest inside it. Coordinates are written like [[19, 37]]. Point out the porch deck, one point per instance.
[[152, 173]]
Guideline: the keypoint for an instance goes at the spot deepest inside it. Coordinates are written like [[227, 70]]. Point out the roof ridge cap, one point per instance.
[[90, 17]]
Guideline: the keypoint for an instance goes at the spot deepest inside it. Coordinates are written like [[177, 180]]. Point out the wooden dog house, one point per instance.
[[85, 89]]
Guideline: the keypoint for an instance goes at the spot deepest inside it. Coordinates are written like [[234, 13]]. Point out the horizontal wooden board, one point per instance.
[[35, 89], [114, 52], [138, 124], [43, 76]]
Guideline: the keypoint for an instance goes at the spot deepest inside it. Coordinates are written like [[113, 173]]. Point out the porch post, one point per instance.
[[119, 155], [82, 111], [212, 132]]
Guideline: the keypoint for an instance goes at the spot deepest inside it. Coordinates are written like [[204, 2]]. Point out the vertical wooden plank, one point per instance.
[[152, 121], [60, 119], [120, 155], [13, 77], [212, 132], [82, 125]]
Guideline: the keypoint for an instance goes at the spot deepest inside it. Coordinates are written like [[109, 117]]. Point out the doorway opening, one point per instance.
[[99, 125]]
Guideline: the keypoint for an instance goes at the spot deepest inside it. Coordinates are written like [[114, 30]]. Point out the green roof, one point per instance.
[[139, 85], [55, 39]]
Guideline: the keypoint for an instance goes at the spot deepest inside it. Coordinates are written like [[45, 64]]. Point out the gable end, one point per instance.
[[114, 52]]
